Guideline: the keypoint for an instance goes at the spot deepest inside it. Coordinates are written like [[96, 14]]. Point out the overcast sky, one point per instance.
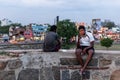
[[45, 11]]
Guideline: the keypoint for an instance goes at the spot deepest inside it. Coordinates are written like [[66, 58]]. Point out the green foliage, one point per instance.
[[16, 24], [4, 29], [69, 46], [0, 22], [3, 53], [66, 29], [65, 46], [106, 42]]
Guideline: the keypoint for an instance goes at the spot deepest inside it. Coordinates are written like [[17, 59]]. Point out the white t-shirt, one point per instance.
[[85, 41]]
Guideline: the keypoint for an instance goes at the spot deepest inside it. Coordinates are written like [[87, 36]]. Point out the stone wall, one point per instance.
[[38, 65]]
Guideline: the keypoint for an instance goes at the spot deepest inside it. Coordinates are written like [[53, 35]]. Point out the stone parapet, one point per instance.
[[62, 65]]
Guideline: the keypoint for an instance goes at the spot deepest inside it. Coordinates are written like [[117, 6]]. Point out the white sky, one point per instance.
[[45, 11]]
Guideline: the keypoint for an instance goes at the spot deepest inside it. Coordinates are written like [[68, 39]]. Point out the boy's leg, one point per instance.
[[90, 54], [79, 57]]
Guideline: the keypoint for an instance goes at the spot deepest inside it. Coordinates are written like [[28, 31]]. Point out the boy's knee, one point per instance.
[[91, 52], [78, 52]]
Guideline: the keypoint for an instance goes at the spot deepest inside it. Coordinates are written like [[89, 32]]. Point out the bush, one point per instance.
[[106, 42], [68, 46]]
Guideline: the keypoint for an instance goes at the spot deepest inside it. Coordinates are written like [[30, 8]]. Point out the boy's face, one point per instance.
[[81, 31]]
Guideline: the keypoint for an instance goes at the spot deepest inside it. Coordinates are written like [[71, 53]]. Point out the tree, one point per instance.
[[16, 24], [4, 29], [0, 23], [108, 24], [66, 29]]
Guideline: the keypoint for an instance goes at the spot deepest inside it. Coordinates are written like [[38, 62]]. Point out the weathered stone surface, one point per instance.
[[56, 72], [117, 62], [14, 64], [76, 76], [3, 65], [93, 62], [41, 64], [97, 76], [69, 61], [86, 75], [32, 61], [104, 62], [7, 75], [29, 74], [65, 75], [46, 74], [115, 75], [110, 57], [106, 74]]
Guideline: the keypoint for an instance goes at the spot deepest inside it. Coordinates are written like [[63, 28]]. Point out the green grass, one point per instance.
[[96, 46], [113, 47]]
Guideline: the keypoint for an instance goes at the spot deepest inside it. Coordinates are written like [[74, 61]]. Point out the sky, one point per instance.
[[45, 11]]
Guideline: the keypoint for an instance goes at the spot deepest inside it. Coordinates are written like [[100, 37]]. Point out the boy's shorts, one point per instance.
[[83, 47]]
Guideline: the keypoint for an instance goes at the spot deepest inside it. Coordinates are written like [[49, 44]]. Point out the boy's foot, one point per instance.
[[81, 71]]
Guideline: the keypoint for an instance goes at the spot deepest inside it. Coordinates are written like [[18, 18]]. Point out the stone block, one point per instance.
[[56, 72], [69, 61], [105, 62], [117, 62], [29, 74], [65, 75], [73, 61], [77, 76]]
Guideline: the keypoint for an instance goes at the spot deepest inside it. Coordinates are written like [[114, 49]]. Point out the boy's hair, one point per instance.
[[53, 28], [81, 27]]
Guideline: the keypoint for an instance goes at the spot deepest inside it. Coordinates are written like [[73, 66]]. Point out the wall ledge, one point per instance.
[[64, 51]]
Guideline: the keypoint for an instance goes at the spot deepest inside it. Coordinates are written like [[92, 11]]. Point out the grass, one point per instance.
[[113, 47], [97, 46]]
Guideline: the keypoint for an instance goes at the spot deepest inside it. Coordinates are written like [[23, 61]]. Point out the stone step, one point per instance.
[[73, 61]]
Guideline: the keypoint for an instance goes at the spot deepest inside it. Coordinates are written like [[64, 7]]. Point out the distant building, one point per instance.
[[96, 24], [39, 30], [115, 29], [88, 27], [80, 24], [28, 34]]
